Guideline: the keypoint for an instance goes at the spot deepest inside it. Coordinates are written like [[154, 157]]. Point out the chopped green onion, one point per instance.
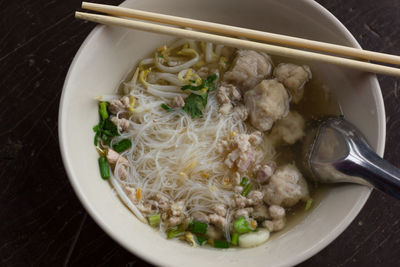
[[221, 244], [154, 220], [199, 227], [122, 145], [175, 232], [108, 133], [244, 181], [241, 226], [166, 108], [308, 204], [105, 138], [110, 126], [235, 239], [104, 168], [247, 189], [201, 240], [96, 139], [103, 110]]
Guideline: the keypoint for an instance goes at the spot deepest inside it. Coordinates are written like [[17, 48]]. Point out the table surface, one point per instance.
[[42, 221]]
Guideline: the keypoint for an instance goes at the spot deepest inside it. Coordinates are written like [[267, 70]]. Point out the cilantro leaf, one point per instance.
[[191, 87], [194, 105], [209, 82]]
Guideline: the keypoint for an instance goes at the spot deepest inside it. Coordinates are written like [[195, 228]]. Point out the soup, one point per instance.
[[201, 144]]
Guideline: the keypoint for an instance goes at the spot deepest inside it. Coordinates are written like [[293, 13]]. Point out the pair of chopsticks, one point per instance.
[[357, 54]]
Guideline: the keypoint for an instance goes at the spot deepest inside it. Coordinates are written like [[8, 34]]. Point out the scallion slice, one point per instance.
[[154, 220], [104, 168], [308, 204], [235, 239], [199, 227], [247, 189], [241, 226], [201, 240], [175, 232], [221, 244], [244, 181], [103, 110], [122, 145]]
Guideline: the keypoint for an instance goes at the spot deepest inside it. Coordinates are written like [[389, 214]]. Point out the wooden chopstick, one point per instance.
[[242, 32], [238, 43]]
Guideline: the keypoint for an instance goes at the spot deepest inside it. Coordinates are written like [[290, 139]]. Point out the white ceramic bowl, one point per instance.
[[109, 52]]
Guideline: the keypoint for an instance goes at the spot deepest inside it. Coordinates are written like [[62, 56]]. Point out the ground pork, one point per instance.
[[178, 102], [274, 225], [218, 221], [119, 105], [241, 150], [245, 212], [200, 217], [260, 212], [219, 209], [276, 212], [264, 172], [114, 157], [228, 95], [121, 123]]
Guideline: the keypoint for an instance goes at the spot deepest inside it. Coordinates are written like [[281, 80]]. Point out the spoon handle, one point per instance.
[[365, 163]]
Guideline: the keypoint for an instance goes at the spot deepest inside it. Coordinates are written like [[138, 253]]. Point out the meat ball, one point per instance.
[[266, 103], [293, 77], [289, 129], [286, 187], [248, 69]]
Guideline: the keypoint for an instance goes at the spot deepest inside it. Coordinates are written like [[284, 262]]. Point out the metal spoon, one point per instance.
[[335, 151]]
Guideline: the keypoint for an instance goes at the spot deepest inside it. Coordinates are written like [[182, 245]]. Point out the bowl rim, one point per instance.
[[136, 250]]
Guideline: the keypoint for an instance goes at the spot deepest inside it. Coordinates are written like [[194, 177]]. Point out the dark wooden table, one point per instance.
[[42, 223]]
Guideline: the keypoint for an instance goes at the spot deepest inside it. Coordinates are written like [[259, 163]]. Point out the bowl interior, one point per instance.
[[109, 53]]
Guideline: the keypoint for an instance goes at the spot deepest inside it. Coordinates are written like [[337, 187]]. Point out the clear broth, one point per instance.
[[317, 102]]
